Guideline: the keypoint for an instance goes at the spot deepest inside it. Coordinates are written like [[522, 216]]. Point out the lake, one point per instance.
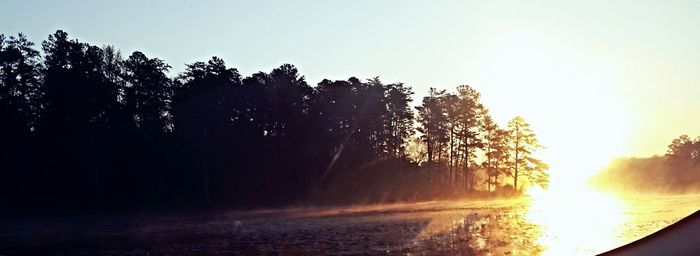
[[533, 225]]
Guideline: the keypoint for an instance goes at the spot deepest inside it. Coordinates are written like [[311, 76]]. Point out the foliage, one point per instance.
[[85, 128], [522, 143]]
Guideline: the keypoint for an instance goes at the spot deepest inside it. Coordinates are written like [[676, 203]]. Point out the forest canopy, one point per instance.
[[85, 127]]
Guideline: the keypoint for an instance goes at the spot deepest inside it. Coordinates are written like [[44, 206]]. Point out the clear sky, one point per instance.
[[594, 78]]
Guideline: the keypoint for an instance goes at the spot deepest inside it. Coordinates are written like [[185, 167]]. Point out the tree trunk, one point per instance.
[[517, 151], [467, 177], [451, 152], [430, 148], [205, 172], [205, 179]]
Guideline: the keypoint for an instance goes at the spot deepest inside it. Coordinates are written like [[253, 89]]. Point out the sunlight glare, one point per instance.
[[571, 100], [576, 221], [569, 97]]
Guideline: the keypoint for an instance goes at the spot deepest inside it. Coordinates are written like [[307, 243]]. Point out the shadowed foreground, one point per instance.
[[458, 228], [425, 228]]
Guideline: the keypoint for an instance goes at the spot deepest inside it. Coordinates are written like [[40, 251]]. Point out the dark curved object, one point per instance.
[[680, 238]]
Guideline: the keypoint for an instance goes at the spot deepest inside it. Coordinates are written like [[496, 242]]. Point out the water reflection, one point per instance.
[[577, 222], [481, 228], [555, 222]]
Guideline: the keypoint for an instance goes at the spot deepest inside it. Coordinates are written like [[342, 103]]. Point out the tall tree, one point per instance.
[[78, 110], [20, 82], [360, 122], [77, 95], [432, 119], [148, 93], [147, 100], [684, 152], [335, 109], [204, 107], [452, 106], [285, 130], [289, 97], [496, 151], [20, 79], [522, 143], [85, 125], [398, 119], [470, 113]]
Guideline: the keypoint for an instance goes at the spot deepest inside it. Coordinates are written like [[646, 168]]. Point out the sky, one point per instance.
[[595, 79]]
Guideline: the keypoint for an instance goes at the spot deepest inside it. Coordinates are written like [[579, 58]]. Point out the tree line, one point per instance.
[[677, 171], [461, 136], [85, 127]]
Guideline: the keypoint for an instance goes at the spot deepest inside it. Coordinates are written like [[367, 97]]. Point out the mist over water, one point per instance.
[[531, 225]]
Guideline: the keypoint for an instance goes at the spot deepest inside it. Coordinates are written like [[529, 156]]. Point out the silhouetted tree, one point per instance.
[[677, 171], [398, 120], [20, 82], [522, 142], [84, 128], [285, 123], [432, 119], [684, 152], [495, 151], [469, 118], [204, 110], [335, 109], [79, 104], [358, 123], [148, 93], [452, 105]]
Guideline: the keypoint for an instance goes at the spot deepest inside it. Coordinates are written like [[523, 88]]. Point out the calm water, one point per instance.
[[535, 225], [597, 222]]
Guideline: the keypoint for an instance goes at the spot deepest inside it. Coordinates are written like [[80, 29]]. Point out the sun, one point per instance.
[[570, 98]]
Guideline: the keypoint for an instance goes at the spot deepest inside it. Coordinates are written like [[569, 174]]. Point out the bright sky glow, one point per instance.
[[601, 78]]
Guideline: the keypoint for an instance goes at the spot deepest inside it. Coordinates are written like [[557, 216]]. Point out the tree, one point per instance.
[[357, 123], [469, 117], [522, 143], [684, 152], [432, 119], [82, 125], [452, 106], [20, 84], [398, 120], [495, 151], [450, 125], [148, 101], [20, 78], [78, 113], [337, 109], [204, 107], [77, 96], [148, 93], [289, 97], [269, 135]]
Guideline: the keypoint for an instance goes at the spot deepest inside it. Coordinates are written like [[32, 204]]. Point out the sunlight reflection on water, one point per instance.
[[580, 222], [566, 222], [571, 220]]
